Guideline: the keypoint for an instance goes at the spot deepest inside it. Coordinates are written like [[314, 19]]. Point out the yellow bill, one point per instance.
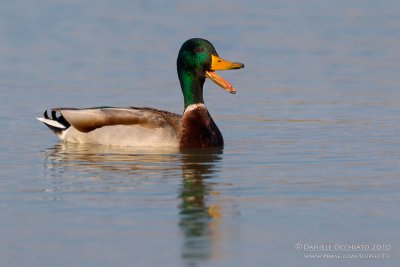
[[218, 63]]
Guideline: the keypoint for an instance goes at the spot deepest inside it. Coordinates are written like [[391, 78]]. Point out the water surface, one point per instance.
[[312, 143]]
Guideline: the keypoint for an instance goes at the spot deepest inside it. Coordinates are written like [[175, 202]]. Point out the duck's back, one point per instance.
[[116, 126]]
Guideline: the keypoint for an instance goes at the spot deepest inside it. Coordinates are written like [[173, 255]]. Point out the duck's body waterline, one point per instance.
[[131, 126], [120, 135]]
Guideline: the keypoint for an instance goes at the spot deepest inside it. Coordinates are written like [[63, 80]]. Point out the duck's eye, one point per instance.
[[198, 50]]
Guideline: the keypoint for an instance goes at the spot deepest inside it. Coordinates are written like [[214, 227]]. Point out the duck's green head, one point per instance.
[[197, 60]]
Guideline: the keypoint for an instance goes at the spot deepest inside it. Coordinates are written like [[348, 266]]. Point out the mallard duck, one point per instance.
[[134, 126]]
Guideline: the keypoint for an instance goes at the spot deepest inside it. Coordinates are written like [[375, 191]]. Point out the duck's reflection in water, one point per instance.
[[199, 212], [199, 217], [81, 157]]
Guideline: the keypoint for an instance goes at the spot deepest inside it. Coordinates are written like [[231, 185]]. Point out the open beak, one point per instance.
[[218, 63]]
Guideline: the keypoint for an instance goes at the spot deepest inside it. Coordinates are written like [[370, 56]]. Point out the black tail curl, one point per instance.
[[60, 119]]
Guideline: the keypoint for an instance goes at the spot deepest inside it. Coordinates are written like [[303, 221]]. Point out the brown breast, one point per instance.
[[199, 129]]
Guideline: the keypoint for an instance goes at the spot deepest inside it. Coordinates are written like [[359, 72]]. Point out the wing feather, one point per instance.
[[86, 120]]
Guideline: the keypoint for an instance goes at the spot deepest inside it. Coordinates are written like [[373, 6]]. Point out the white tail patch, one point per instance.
[[51, 123]]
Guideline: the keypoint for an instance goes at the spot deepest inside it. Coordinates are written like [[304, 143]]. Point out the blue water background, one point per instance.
[[312, 136]]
